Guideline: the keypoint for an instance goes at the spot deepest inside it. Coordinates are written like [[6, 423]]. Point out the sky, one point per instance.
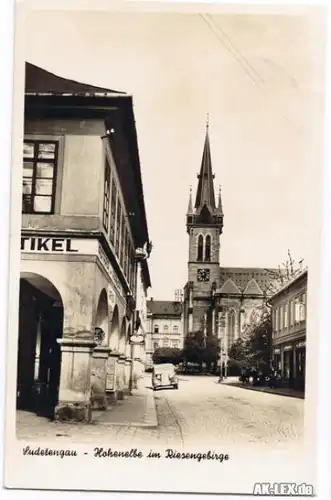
[[260, 78]]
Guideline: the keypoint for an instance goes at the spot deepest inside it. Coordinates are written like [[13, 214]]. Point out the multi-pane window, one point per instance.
[[165, 328], [175, 329], [297, 310], [303, 307], [113, 212], [281, 317], [118, 227], [39, 176], [122, 245], [285, 315], [106, 195]]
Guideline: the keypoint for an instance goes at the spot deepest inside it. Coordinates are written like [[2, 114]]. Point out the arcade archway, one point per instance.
[[114, 330], [101, 318], [122, 340], [39, 354]]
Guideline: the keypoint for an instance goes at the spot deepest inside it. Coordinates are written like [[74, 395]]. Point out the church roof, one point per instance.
[[205, 192], [229, 287], [249, 280], [164, 308], [40, 81], [253, 288]]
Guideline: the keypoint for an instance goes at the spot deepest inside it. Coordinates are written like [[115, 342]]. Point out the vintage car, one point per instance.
[[164, 375]]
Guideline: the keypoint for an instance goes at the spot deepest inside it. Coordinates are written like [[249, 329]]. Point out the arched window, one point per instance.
[[200, 248], [165, 328], [231, 327], [207, 248]]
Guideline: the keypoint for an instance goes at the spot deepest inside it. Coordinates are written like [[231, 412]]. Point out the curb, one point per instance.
[[266, 391]]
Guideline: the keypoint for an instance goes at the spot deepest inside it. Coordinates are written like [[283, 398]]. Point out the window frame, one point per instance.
[[36, 140]]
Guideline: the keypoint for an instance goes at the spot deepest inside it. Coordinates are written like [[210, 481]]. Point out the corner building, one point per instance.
[[220, 301], [83, 219]]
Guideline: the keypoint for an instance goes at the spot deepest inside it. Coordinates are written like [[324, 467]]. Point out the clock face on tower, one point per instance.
[[203, 274]]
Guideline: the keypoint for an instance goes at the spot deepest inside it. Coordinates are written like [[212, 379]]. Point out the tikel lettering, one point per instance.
[[46, 245]]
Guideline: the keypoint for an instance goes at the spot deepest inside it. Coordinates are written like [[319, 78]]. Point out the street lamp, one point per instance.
[[135, 338]]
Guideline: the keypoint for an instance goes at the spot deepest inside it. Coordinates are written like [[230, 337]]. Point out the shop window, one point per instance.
[[106, 196], [39, 176], [156, 345]]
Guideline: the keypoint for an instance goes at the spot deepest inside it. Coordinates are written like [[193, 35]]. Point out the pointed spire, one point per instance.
[[220, 206], [190, 205], [205, 192]]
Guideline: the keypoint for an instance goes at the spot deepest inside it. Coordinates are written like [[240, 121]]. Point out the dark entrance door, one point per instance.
[[39, 355], [301, 368]]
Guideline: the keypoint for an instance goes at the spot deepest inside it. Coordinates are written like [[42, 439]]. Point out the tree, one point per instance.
[[201, 349], [287, 271], [167, 355], [253, 349]]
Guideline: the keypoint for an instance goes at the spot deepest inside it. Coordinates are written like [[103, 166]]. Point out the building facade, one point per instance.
[[165, 327], [83, 226], [218, 300], [289, 311]]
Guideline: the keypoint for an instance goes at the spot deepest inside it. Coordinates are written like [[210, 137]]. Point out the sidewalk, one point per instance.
[[138, 410], [281, 391]]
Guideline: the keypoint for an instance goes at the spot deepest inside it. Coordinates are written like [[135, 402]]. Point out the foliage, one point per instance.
[[167, 355], [200, 349], [254, 348]]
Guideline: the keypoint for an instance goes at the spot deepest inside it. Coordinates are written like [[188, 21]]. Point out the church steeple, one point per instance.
[[205, 192], [205, 212]]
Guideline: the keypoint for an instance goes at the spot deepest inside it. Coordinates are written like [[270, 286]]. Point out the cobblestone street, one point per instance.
[[200, 412]]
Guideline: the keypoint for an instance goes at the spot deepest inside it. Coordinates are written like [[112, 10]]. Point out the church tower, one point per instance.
[[204, 222]]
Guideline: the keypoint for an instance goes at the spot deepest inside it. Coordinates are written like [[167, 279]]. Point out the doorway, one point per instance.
[[39, 354]]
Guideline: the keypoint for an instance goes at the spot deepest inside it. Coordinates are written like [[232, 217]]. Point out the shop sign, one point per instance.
[[301, 344], [288, 348], [110, 381], [50, 245]]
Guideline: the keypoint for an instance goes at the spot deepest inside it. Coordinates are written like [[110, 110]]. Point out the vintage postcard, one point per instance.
[[165, 248]]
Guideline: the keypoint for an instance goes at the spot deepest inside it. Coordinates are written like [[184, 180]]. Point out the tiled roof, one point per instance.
[[38, 81], [241, 276], [164, 308]]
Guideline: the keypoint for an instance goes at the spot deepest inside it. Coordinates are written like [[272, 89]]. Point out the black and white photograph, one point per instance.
[[166, 206]]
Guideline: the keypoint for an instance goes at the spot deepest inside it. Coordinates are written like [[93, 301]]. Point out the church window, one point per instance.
[[200, 248], [207, 248], [231, 327]]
